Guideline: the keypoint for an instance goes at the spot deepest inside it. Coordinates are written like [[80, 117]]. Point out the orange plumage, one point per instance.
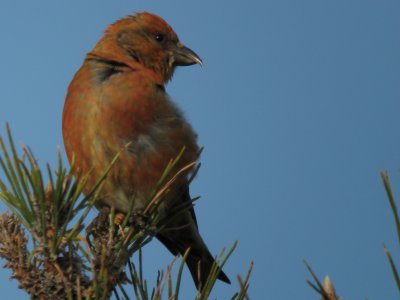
[[117, 97]]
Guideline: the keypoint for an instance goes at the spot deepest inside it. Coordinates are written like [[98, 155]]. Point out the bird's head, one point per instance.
[[148, 40]]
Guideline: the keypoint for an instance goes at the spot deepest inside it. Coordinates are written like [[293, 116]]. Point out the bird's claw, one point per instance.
[[140, 221]]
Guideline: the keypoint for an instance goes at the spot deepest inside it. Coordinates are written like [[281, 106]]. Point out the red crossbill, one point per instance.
[[118, 97]]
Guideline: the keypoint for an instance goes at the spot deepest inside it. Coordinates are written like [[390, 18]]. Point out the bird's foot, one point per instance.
[[119, 218], [141, 221]]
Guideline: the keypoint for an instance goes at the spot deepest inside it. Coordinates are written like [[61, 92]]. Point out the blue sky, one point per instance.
[[297, 107]]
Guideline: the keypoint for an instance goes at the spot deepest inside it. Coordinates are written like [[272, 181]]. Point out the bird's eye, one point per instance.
[[159, 37]]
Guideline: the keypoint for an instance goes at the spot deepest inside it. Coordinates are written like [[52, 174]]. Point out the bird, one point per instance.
[[117, 103]]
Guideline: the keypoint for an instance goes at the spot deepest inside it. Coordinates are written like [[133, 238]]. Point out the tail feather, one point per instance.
[[182, 234], [199, 260], [200, 269]]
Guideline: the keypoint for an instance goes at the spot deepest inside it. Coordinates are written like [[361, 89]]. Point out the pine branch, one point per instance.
[[62, 263]]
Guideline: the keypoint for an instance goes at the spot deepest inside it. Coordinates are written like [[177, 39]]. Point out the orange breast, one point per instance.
[[101, 117]]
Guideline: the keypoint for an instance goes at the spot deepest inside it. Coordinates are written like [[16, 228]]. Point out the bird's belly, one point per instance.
[[144, 157]]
